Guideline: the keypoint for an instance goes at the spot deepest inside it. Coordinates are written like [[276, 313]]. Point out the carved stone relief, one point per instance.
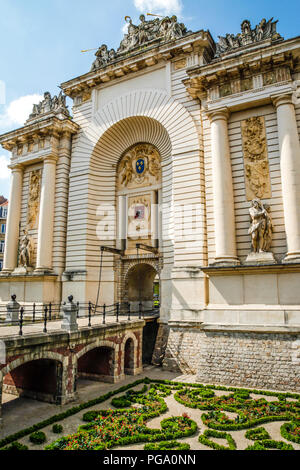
[[57, 104], [256, 164], [140, 166], [34, 199]]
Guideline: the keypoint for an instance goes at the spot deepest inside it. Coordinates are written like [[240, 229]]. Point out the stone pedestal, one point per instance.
[[69, 322], [260, 258], [13, 308], [22, 271]]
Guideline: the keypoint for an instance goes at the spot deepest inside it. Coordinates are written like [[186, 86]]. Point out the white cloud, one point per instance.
[[4, 171], [163, 7], [17, 112], [125, 28]]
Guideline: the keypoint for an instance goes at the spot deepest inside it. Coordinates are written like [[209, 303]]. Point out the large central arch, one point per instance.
[[150, 116]]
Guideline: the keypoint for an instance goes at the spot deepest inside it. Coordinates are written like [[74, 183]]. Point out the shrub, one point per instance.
[[167, 445], [204, 439], [258, 434], [57, 428], [270, 444], [291, 431], [16, 446], [120, 402], [38, 437]]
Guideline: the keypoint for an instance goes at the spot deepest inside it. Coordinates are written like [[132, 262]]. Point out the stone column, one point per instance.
[[46, 218], [225, 237], [13, 220], [290, 173]]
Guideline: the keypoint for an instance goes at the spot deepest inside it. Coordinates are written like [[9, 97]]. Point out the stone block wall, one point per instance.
[[245, 359]]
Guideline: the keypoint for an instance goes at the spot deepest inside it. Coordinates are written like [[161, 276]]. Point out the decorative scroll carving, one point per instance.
[[34, 199], [261, 229], [143, 35], [140, 166], [26, 250], [264, 30], [57, 104], [257, 174]]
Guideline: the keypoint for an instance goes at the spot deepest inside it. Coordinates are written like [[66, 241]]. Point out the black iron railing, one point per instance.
[[45, 315]]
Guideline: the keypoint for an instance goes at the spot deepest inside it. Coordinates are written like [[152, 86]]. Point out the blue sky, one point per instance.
[[41, 40]]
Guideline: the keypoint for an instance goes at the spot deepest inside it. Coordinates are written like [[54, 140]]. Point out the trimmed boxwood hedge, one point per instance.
[[38, 437], [167, 445], [257, 434], [270, 444], [120, 402], [204, 439], [15, 446], [57, 428]]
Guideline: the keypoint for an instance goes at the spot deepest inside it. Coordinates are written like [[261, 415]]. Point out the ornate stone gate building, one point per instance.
[[190, 148]]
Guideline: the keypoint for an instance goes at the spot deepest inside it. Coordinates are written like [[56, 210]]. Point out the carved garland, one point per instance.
[[34, 199]]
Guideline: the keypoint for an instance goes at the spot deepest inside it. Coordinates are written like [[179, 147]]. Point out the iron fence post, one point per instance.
[[140, 310], [45, 319], [118, 312], [77, 309], [50, 311], [104, 313], [33, 313], [21, 321], [129, 312], [90, 313]]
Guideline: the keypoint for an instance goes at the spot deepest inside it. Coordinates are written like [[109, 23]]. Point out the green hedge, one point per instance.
[[16, 446], [204, 439], [167, 445], [38, 437], [257, 434], [270, 444]]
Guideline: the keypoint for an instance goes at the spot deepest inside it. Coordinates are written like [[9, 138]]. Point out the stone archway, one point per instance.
[[139, 286]]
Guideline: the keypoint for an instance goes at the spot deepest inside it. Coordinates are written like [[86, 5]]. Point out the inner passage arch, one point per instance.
[[39, 379], [97, 364], [141, 281]]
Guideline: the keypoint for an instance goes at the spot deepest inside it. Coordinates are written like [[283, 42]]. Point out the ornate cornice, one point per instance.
[[31, 138], [253, 69]]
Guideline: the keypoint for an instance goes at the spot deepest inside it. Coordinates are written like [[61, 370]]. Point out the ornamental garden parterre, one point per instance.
[[126, 423]]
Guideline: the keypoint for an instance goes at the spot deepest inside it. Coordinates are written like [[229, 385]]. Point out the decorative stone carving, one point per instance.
[[257, 174], [26, 250], [261, 231], [34, 199], [264, 30], [145, 34], [57, 104], [140, 166]]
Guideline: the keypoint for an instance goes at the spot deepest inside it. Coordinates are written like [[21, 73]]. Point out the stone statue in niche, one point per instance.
[[26, 250], [34, 199], [256, 163], [261, 231]]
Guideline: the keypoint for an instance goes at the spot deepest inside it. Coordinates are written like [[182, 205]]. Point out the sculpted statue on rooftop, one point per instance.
[[146, 33], [264, 30], [56, 104]]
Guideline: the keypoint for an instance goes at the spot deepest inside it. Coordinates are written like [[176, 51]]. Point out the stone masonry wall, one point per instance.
[[254, 360]]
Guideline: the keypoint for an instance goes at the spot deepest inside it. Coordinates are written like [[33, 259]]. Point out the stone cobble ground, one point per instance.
[[28, 412]]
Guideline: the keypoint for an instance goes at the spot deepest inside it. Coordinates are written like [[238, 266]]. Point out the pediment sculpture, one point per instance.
[[144, 34], [264, 30], [57, 104]]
